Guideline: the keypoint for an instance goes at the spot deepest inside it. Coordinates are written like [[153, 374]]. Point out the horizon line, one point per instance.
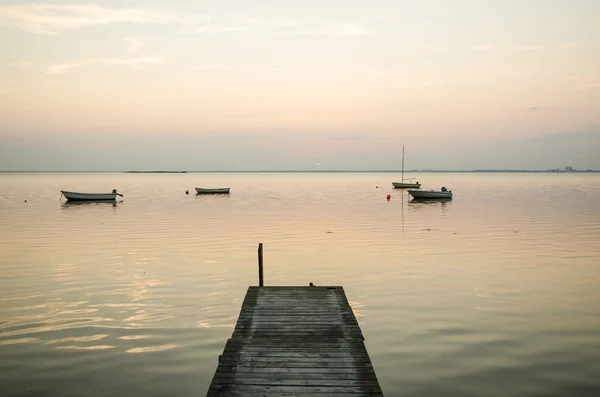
[[301, 171]]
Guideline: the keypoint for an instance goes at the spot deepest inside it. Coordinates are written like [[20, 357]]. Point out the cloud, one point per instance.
[[583, 83], [481, 47], [377, 72], [571, 45], [285, 26], [424, 84], [56, 18], [240, 93], [134, 44], [273, 70], [65, 67], [334, 29], [19, 64], [529, 47], [590, 86], [219, 29], [204, 68], [280, 23]]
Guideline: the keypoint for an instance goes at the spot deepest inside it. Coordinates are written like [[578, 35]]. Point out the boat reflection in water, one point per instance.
[[87, 204], [431, 200]]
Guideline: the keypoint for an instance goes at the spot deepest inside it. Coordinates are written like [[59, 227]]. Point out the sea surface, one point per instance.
[[496, 293]]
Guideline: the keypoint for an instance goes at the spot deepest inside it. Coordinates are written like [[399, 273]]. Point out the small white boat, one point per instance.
[[431, 194], [75, 196], [405, 185], [220, 190]]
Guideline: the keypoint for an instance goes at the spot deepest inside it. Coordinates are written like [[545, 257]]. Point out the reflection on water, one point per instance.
[[213, 195], [84, 204], [442, 200], [149, 349], [95, 347], [453, 297]]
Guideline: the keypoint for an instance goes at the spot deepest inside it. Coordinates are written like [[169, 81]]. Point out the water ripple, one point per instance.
[[493, 293]]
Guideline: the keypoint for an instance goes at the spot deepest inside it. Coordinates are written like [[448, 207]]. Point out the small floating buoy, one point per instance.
[[25, 200], [389, 197], [187, 192], [376, 187]]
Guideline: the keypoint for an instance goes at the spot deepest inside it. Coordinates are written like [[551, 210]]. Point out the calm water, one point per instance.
[[495, 293]]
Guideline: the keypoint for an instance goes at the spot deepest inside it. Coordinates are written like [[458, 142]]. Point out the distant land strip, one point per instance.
[[316, 171], [155, 172]]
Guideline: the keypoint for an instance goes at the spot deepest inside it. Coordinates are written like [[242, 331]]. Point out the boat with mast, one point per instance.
[[405, 185]]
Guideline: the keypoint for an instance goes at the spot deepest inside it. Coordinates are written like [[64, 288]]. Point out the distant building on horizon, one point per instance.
[[568, 168]]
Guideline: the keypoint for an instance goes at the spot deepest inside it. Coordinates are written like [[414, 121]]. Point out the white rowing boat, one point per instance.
[[220, 190], [76, 196], [404, 185]]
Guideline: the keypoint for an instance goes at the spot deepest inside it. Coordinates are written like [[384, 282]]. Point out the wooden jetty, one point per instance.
[[295, 341]]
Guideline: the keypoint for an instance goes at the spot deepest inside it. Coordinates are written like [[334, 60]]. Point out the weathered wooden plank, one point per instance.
[[254, 393], [293, 360], [305, 323], [293, 350], [259, 315], [299, 328], [282, 380], [348, 343], [295, 389], [307, 334], [349, 375], [309, 342], [322, 364], [295, 341], [263, 393], [296, 344], [231, 351], [310, 371], [296, 354]]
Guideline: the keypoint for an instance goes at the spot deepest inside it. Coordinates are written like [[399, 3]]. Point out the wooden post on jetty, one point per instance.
[[261, 281], [295, 341]]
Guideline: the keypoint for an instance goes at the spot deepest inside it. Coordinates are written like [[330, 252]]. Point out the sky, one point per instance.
[[299, 85]]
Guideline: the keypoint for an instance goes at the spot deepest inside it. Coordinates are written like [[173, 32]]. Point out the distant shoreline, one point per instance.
[[315, 171], [156, 172]]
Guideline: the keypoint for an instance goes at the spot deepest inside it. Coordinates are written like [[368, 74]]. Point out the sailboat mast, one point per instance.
[[402, 163]]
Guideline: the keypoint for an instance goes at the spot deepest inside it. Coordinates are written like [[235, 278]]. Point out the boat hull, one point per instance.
[[222, 190], [401, 185], [75, 196], [429, 194]]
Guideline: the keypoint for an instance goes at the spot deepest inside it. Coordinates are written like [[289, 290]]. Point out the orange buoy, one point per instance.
[[389, 196]]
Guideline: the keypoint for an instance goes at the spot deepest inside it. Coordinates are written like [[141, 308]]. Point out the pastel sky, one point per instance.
[[330, 84]]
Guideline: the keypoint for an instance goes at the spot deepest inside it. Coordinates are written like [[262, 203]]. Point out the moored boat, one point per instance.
[[78, 196], [220, 190], [431, 194], [405, 185]]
